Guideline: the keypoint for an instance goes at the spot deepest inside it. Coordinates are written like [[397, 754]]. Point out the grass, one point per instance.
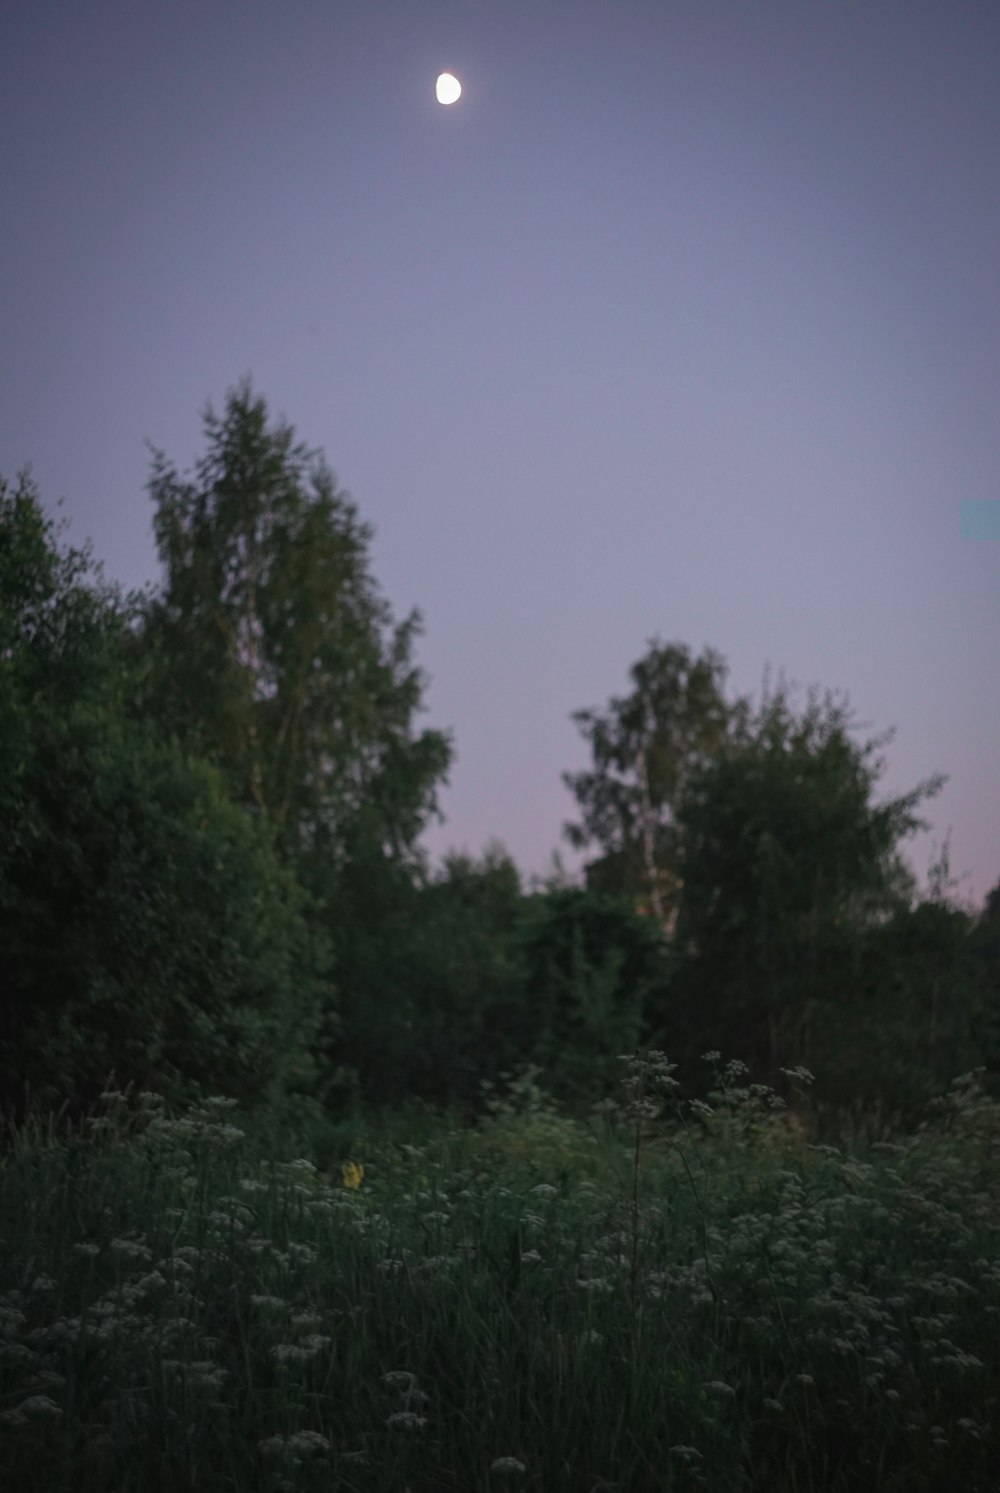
[[675, 1296]]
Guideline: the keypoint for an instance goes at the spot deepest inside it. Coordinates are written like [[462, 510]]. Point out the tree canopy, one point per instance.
[[145, 924], [645, 747], [270, 651]]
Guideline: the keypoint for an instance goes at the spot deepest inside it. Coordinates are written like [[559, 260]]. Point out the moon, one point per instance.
[[448, 89]]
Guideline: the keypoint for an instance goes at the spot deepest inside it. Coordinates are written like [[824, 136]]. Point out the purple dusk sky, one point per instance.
[[684, 321]]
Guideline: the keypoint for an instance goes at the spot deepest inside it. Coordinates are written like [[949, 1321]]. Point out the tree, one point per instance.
[[145, 925], [784, 858], [985, 944], [645, 748], [433, 977], [903, 1014], [271, 652], [592, 970]]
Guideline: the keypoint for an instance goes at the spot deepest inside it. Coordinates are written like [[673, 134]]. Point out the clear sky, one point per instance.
[[684, 321]]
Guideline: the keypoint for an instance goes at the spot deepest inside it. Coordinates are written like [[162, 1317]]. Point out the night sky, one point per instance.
[[683, 322]]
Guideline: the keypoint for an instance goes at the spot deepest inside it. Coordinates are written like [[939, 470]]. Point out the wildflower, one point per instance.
[[39, 1407], [272, 1447], [87, 1250], [352, 1174], [720, 1388], [543, 1190], [301, 1252], [43, 1283], [207, 1376], [508, 1467], [307, 1443], [132, 1249], [292, 1353], [306, 1320], [405, 1420], [220, 1220], [400, 1379]]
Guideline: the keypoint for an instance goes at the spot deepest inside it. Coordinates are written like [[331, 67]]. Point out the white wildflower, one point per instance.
[[301, 1253], [405, 1420], [307, 1443], [39, 1407], [273, 1447], [400, 1379], [291, 1353], [131, 1249], [508, 1467]]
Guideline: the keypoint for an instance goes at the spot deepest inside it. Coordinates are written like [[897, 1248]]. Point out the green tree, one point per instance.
[[592, 973], [145, 924], [902, 1010], [432, 978], [271, 652], [785, 856], [645, 747], [985, 945]]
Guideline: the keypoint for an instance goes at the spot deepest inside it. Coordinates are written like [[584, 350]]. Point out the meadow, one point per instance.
[[663, 1295]]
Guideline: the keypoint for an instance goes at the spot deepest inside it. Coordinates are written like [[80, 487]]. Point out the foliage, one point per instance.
[[427, 970], [644, 748], [177, 1309], [910, 1010], [145, 924], [271, 652], [592, 969], [785, 861], [984, 943]]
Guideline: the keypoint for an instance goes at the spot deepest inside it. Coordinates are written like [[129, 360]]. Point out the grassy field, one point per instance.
[[657, 1299]]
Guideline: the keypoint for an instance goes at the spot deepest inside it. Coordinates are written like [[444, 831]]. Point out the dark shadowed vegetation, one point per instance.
[[490, 1265]]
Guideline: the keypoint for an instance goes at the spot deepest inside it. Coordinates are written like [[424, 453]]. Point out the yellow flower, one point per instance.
[[352, 1174]]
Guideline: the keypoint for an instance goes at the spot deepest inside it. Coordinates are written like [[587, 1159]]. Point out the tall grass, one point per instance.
[[675, 1296]]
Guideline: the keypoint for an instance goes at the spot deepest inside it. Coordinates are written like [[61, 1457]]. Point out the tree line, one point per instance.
[[212, 794]]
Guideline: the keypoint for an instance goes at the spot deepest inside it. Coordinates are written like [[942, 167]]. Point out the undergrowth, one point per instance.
[[676, 1295]]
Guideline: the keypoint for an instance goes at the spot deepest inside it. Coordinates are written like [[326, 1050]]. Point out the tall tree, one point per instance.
[[645, 747], [271, 651], [145, 924], [785, 856]]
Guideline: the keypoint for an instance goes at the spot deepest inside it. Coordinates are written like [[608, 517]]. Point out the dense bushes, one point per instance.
[[146, 925]]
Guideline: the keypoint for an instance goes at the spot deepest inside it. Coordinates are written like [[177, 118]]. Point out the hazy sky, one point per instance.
[[684, 321]]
